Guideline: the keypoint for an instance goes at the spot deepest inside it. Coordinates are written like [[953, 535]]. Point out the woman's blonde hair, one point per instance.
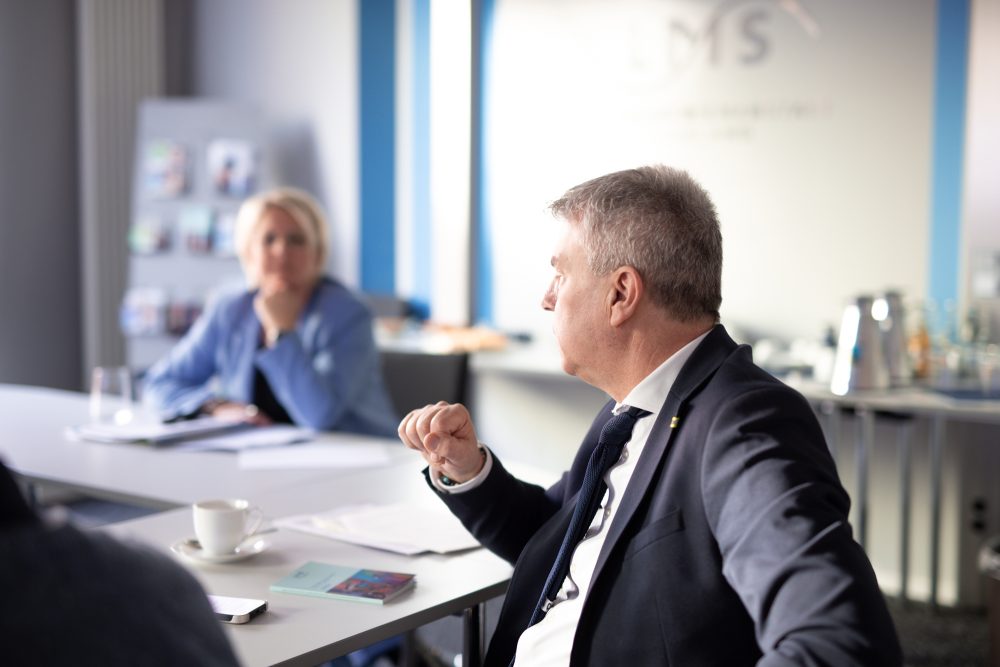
[[298, 204]]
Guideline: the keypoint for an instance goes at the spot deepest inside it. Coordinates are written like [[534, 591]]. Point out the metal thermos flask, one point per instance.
[[894, 337], [860, 362]]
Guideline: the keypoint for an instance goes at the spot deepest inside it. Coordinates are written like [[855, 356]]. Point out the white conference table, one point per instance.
[[297, 630], [301, 630], [33, 442]]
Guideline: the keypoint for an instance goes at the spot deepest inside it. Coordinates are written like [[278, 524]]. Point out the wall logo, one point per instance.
[[736, 32]]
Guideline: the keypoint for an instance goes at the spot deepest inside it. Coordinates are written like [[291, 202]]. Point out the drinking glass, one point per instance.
[[111, 395]]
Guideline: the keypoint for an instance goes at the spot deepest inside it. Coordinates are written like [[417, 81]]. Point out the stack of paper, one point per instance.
[[153, 433], [403, 528]]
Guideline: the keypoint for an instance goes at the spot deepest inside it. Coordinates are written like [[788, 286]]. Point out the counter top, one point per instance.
[[544, 362], [914, 400]]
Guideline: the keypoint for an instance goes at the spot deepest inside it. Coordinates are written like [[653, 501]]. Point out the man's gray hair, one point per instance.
[[662, 223]]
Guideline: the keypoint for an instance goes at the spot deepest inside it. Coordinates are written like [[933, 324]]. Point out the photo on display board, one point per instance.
[[143, 311], [232, 166], [181, 314], [166, 169], [149, 235], [195, 227], [223, 234]]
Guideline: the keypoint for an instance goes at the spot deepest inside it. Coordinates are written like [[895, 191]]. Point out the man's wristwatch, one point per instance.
[[448, 481]]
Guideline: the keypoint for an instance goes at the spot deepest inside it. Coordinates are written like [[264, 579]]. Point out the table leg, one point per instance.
[[473, 632], [409, 649], [866, 425], [937, 441], [905, 499]]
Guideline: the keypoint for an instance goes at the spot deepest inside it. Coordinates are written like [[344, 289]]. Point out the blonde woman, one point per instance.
[[296, 347]]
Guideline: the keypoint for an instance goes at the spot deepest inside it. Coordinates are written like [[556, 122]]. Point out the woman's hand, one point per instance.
[[236, 412], [278, 307], [444, 435]]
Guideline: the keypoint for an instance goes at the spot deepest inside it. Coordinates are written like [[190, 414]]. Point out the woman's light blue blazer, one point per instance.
[[326, 373]]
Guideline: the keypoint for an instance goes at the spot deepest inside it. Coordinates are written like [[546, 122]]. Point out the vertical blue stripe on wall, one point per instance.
[[948, 149], [482, 258], [377, 145], [421, 167]]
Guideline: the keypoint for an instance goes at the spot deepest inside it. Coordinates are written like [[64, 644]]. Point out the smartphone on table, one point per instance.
[[236, 610]]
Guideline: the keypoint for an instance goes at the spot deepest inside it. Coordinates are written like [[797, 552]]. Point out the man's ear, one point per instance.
[[626, 291]]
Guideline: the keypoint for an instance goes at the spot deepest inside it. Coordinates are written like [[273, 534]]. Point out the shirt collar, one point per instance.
[[649, 393]]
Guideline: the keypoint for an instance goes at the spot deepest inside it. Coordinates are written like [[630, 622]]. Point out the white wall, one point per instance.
[[295, 60], [811, 131]]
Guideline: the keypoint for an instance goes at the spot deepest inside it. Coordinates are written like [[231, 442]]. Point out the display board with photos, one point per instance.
[[195, 162]]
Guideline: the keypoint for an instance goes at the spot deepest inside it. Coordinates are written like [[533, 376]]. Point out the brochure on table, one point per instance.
[[345, 583]]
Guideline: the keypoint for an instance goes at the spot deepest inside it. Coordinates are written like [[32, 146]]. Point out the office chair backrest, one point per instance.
[[415, 379]]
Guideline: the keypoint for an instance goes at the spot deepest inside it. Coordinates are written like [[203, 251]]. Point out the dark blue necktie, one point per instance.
[[616, 432]]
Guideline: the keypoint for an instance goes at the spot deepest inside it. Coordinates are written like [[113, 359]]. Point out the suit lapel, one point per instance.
[[702, 364]]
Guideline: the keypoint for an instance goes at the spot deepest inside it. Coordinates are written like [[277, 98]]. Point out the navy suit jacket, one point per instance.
[[731, 545]]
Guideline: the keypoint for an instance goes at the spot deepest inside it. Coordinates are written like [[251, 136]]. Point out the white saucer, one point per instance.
[[190, 548]]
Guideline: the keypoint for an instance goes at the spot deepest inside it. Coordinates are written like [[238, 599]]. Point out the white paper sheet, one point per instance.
[[403, 528], [334, 454], [260, 436]]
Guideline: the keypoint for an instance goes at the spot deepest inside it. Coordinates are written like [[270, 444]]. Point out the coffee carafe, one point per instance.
[[894, 338], [860, 362]]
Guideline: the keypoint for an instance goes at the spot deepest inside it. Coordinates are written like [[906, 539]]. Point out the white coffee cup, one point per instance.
[[222, 525]]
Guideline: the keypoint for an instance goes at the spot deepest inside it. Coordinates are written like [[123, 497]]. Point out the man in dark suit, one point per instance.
[[721, 537]]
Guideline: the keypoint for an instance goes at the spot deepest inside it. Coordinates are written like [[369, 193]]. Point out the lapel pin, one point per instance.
[[674, 422]]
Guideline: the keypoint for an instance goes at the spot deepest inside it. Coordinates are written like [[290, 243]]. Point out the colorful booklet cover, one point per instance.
[[345, 583]]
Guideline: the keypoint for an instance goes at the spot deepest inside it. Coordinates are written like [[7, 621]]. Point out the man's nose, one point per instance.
[[548, 300]]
